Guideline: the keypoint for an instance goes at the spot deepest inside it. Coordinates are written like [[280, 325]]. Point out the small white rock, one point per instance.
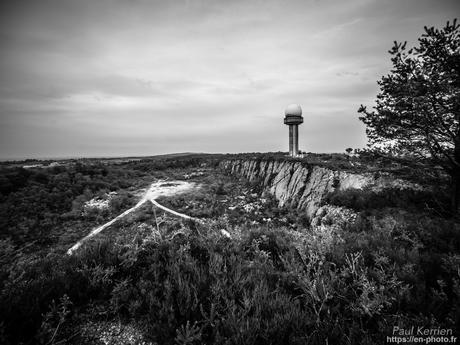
[[225, 233]]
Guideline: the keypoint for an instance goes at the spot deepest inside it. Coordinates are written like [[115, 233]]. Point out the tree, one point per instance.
[[418, 107]]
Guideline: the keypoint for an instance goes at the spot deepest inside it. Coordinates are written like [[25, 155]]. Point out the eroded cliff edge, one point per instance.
[[305, 187]]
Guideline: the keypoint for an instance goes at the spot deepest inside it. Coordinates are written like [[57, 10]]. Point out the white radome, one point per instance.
[[293, 109]]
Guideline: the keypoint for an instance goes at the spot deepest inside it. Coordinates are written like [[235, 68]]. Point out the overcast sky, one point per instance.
[[140, 77]]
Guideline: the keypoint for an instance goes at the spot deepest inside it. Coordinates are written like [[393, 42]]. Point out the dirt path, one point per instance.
[[160, 188]]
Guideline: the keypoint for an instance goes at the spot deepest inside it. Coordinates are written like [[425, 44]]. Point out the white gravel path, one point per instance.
[[157, 189]]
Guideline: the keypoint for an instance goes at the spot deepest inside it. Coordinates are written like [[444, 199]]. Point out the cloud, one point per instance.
[[146, 77]]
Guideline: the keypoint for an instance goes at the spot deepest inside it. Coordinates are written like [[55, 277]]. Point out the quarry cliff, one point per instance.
[[304, 186]]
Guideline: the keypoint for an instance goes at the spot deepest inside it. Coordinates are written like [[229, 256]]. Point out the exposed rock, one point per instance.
[[112, 333], [305, 187], [99, 203], [225, 233]]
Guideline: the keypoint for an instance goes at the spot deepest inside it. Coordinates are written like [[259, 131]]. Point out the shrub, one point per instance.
[[368, 199]]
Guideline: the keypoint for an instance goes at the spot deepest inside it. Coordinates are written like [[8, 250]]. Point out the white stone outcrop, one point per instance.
[[305, 187]]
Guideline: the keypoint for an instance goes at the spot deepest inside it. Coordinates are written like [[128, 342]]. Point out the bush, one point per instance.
[[368, 199], [204, 288]]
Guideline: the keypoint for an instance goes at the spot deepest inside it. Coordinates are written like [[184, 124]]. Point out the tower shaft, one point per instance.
[[293, 140], [295, 149]]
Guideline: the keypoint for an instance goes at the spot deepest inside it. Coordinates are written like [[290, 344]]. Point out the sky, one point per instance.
[[91, 78]]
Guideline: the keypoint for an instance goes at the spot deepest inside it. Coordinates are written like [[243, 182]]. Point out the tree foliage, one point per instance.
[[418, 108]]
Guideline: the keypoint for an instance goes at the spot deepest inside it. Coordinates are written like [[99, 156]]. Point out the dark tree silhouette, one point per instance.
[[418, 108]]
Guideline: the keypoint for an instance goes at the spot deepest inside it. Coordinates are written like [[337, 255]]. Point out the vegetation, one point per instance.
[[261, 287], [44, 207], [277, 280], [417, 111]]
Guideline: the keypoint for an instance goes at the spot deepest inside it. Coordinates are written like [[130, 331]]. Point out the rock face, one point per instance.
[[305, 187]]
